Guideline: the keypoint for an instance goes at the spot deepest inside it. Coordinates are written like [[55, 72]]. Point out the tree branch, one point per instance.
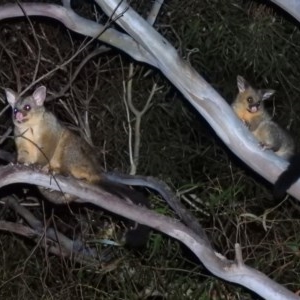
[[147, 45], [53, 240], [214, 262], [201, 95], [292, 7], [80, 25], [166, 193]]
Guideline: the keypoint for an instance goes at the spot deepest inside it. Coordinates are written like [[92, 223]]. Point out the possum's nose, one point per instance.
[[253, 109], [19, 116]]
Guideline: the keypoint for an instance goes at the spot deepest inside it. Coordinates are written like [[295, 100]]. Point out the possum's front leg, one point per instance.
[[266, 146], [24, 157], [27, 151]]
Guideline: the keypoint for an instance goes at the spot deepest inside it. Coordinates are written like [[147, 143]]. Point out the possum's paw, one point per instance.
[[246, 124], [266, 146], [46, 168]]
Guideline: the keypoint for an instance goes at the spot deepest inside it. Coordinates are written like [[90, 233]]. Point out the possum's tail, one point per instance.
[[288, 177]]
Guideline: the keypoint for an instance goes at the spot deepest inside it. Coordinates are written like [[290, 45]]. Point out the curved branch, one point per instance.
[[48, 243], [80, 25], [291, 6], [72, 247], [201, 95], [214, 262], [166, 193], [147, 45]]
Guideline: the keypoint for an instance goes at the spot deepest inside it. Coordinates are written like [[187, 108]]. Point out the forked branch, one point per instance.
[[228, 270], [145, 44]]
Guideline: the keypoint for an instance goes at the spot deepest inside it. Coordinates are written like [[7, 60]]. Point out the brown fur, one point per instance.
[[41, 139], [249, 107]]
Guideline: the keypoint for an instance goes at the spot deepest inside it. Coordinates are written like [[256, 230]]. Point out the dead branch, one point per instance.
[[49, 238], [49, 244], [216, 263], [201, 95], [134, 148], [80, 25], [166, 193], [292, 7], [145, 44]]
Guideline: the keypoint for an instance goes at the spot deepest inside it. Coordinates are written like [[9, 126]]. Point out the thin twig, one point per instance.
[[36, 40], [6, 134], [135, 153], [14, 67], [73, 247], [62, 92], [83, 46]]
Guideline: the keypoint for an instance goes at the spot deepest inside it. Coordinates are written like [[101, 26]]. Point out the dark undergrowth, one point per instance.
[[220, 39]]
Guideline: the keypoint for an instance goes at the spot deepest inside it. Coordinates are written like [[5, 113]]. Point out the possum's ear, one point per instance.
[[11, 97], [266, 94], [39, 95], [242, 84]]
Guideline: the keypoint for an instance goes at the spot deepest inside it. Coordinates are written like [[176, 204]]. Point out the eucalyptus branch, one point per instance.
[[80, 25], [68, 247], [292, 7], [214, 262], [201, 95], [147, 45]]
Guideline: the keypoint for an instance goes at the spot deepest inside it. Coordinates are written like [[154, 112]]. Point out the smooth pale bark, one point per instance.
[[147, 45], [80, 25], [217, 264], [290, 6], [200, 94]]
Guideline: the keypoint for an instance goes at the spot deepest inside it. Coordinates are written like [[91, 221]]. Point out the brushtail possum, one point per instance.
[[42, 140], [249, 107]]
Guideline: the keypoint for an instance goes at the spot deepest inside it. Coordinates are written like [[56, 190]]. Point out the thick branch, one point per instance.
[[217, 264], [291, 6], [80, 25], [147, 45], [152, 48], [166, 193], [200, 94]]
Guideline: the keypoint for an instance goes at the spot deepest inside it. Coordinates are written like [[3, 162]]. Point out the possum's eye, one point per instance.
[[15, 110], [27, 107], [250, 100]]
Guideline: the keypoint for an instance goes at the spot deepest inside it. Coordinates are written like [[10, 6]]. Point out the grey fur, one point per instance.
[[249, 106]]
